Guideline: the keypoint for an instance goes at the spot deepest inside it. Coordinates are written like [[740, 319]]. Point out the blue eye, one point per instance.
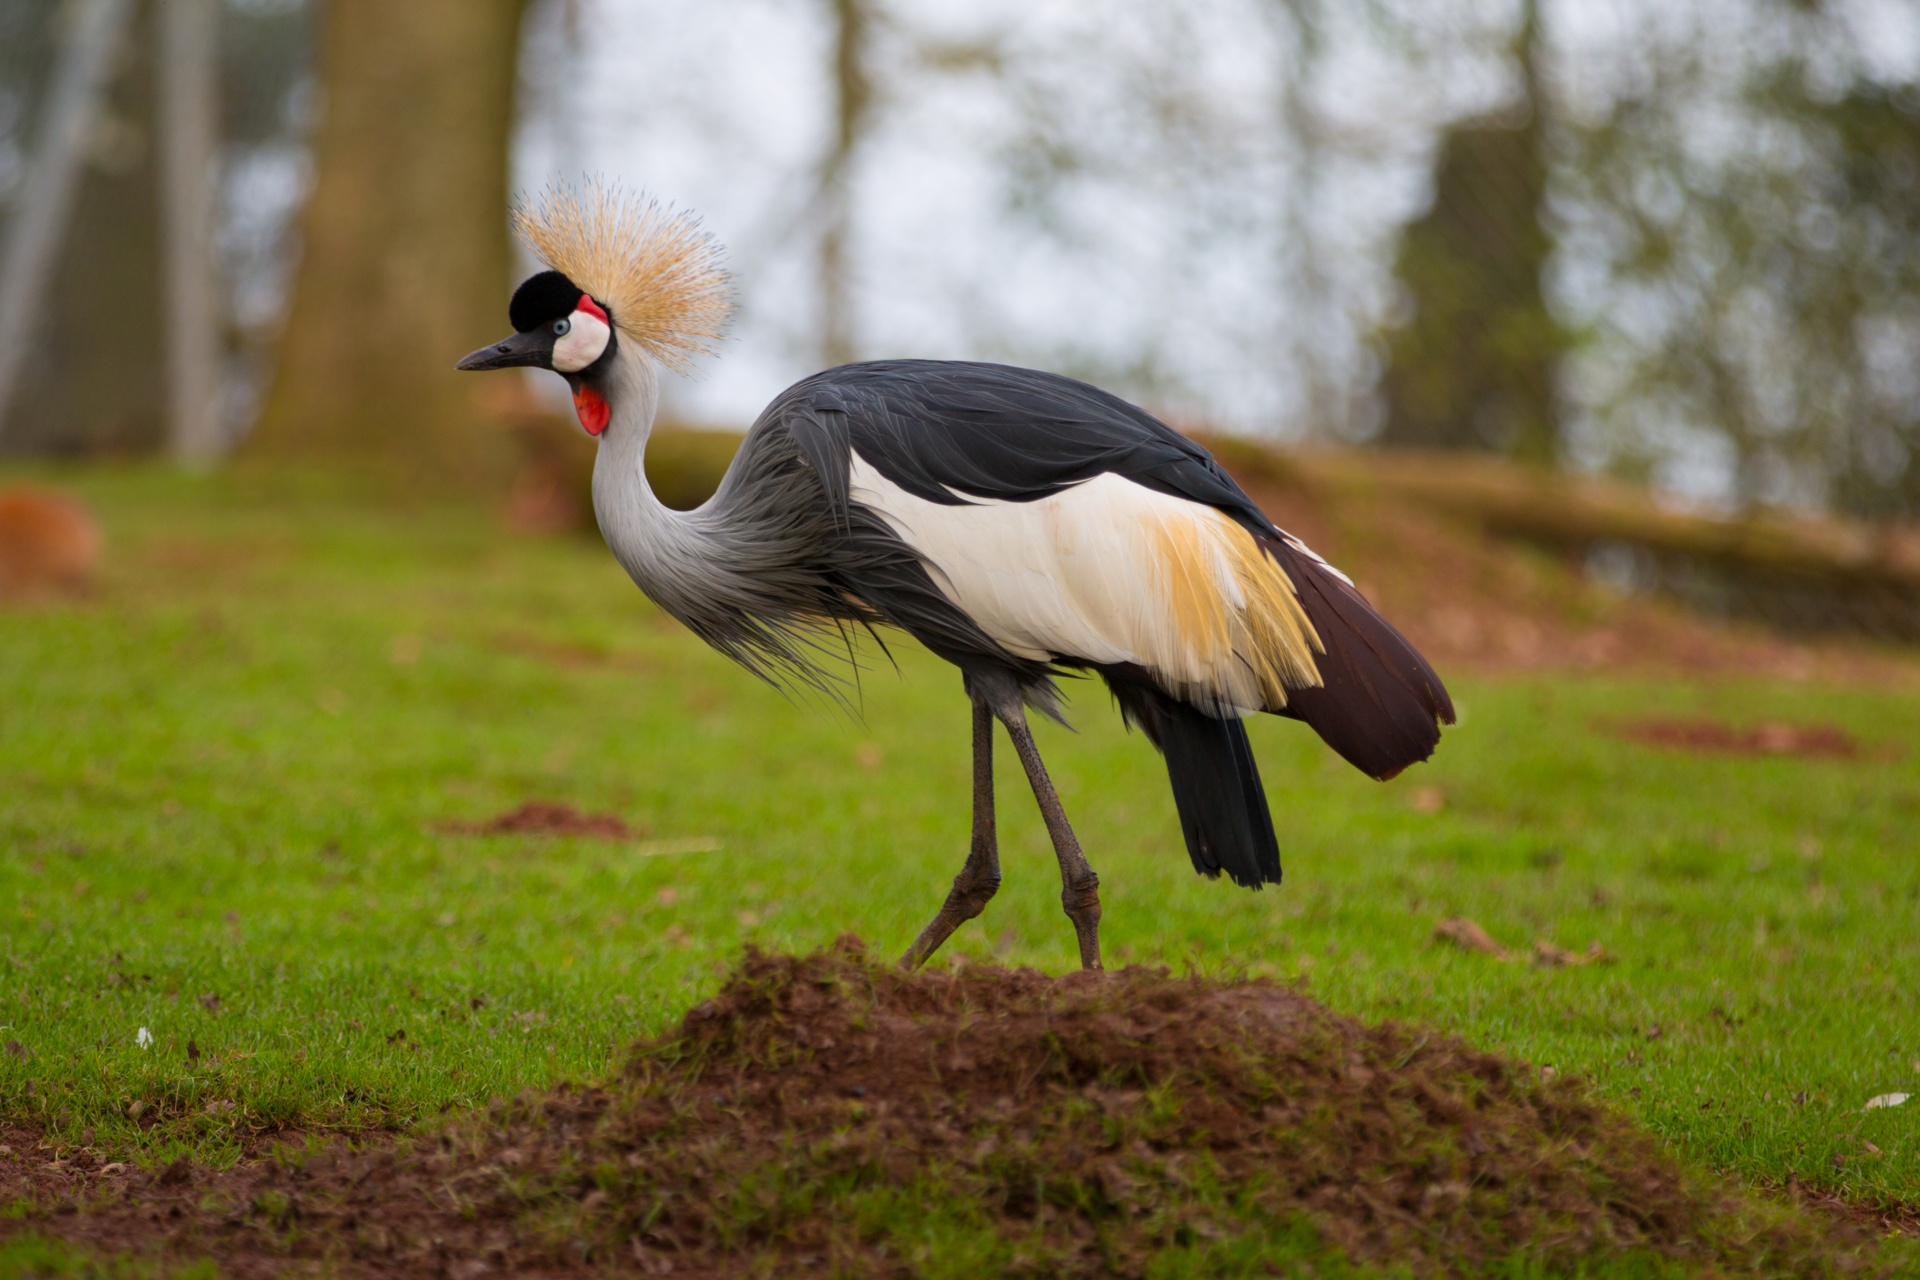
[[561, 326]]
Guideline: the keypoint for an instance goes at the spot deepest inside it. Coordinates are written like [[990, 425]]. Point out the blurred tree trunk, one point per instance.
[[853, 23], [1473, 366], [405, 258], [93, 380]]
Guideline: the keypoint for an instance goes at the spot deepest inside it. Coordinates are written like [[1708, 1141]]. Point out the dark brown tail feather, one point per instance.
[[1379, 704]]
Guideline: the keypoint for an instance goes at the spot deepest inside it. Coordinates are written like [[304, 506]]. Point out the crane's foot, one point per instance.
[[968, 898], [1080, 898], [979, 878]]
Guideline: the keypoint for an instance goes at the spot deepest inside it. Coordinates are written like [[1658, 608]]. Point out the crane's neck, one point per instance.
[[746, 569], [667, 553], [632, 391]]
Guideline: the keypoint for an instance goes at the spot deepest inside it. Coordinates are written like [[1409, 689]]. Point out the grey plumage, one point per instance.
[[774, 568]]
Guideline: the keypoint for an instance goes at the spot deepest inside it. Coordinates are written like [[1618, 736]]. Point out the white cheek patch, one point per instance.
[[585, 342]]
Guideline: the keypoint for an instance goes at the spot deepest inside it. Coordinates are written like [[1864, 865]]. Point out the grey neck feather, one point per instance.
[[745, 569], [663, 550]]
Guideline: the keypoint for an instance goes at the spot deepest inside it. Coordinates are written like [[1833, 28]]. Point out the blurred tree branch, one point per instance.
[[1762, 292]]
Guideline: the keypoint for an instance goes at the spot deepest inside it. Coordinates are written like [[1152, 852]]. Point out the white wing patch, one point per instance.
[[1110, 571]]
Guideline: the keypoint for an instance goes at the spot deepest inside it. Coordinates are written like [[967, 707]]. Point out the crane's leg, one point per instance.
[[1079, 886], [979, 879]]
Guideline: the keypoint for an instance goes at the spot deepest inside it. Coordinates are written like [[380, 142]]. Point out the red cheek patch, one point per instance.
[[592, 408], [592, 308]]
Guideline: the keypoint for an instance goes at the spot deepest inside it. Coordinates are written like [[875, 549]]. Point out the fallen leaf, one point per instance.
[[1469, 936], [1885, 1100]]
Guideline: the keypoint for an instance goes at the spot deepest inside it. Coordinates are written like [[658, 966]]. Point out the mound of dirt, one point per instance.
[[543, 818], [825, 1114]]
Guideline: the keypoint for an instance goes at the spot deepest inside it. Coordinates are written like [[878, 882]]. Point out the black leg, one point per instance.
[[979, 879], [1079, 886]]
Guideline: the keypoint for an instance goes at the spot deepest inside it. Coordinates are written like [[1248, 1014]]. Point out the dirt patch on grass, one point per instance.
[[825, 1114], [540, 818], [1771, 739]]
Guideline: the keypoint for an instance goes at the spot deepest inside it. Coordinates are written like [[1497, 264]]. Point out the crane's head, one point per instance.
[[557, 325], [622, 267]]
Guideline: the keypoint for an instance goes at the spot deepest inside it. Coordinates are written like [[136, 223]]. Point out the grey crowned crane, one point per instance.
[[1019, 524]]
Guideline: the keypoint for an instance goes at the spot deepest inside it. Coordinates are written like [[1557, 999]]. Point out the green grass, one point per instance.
[[219, 778], [36, 1257]]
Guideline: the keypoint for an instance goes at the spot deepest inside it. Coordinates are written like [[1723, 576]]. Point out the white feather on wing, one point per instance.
[[1109, 571]]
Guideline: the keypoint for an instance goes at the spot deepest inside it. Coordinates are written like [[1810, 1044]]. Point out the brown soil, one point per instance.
[[827, 1114], [1882, 1217], [539, 818], [1770, 739]]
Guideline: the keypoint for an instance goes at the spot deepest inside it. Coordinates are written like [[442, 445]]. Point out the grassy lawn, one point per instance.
[[220, 781]]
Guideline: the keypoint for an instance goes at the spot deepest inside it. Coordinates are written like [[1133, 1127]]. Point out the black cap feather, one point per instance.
[[542, 299]]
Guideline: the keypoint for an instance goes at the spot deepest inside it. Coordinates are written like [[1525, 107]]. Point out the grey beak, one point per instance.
[[534, 347]]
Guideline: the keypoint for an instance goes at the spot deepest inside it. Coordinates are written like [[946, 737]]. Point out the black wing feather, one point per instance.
[[946, 430], [1216, 782]]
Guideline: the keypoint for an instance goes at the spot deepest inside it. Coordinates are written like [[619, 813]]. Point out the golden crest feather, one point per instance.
[[655, 270]]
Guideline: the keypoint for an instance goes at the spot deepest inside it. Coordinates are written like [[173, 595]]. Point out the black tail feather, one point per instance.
[[1380, 705], [1216, 784]]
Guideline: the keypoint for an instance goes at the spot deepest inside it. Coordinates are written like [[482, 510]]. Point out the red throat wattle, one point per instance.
[[592, 408]]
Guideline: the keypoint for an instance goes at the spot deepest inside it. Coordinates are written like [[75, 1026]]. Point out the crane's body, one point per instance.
[[1019, 524]]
